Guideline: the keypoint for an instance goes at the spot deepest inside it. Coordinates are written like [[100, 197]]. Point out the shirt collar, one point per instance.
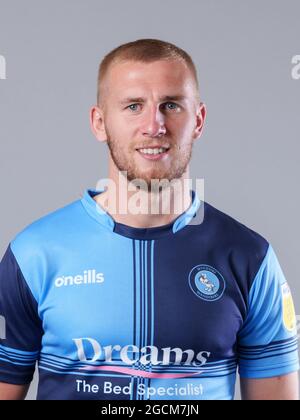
[[106, 220]]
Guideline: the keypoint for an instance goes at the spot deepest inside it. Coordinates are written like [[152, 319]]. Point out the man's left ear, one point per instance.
[[201, 114]]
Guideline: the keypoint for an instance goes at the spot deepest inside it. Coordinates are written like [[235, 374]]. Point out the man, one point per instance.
[[130, 305]]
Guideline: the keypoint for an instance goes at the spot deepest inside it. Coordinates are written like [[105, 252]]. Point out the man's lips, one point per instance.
[[153, 156], [164, 146]]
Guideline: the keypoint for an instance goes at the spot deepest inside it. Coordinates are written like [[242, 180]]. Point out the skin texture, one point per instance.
[[13, 392], [149, 123], [278, 388], [137, 124]]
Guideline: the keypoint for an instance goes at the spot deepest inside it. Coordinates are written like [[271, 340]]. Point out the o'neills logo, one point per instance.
[[88, 277], [131, 354]]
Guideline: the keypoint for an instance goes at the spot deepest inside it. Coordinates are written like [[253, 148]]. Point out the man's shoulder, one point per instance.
[[52, 225], [230, 232]]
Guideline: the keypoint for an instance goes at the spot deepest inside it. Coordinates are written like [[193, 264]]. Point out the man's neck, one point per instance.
[[144, 209]]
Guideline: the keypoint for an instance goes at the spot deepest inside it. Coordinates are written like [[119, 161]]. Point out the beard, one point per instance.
[[180, 158]]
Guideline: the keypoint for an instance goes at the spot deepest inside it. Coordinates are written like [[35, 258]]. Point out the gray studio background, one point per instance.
[[248, 154]]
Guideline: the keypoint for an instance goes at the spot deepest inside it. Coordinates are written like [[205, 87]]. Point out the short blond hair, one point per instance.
[[145, 51]]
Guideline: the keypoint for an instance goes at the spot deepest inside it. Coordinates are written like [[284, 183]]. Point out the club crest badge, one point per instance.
[[207, 283]]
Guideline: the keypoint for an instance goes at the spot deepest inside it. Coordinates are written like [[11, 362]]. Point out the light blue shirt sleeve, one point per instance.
[[267, 342]]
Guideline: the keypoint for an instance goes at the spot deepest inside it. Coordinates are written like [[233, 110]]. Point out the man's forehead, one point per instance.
[[134, 84], [160, 72], [126, 98], [126, 66]]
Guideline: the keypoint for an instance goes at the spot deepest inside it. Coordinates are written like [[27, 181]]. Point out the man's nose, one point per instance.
[[154, 122]]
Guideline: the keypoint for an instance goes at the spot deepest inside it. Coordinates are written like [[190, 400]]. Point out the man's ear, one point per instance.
[[97, 123], [200, 118]]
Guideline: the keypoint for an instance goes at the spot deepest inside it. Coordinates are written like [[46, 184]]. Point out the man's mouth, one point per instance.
[[153, 153]]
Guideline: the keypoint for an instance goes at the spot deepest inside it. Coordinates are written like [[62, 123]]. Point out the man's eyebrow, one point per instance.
[[161, 98]]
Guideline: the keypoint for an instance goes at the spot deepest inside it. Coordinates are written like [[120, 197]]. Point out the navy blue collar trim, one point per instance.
[[105, 219]]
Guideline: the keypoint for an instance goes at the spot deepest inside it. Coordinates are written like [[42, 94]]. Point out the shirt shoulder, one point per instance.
[[241, 246], [40, 245], [236, 232], [50, 226]]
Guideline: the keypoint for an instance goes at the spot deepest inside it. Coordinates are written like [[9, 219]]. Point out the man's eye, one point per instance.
[[167, 103], [172, 103], [131, 106]]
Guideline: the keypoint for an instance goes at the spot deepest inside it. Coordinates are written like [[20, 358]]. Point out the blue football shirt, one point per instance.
[[110, 311]]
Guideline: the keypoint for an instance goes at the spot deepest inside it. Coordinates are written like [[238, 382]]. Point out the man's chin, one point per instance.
[[153, 183]]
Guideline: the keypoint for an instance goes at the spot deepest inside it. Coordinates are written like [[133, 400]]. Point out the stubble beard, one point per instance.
[[122, 161]]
